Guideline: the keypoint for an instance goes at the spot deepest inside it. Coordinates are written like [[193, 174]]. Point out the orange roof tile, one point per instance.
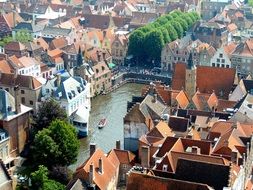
[[54, 53], [231, 27], [124, 156], [220, 80], [102, 180], [182, 99], [5, 67]]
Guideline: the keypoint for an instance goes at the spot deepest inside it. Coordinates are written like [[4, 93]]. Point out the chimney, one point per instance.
[[234, 157], [100, 165], [195, 150], [154, 98], [91, 174], [0, 74], [99, 56], [17, 100], [104, 55], [58, 80], [92, 148], [145, 160], [118, 144]]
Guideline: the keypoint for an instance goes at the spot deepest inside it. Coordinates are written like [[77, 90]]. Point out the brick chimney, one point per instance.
[[195, 150], [58, 80], [91, 174], [118, 144], [145, 159], [92, 148], [100, 165], [98, 56], [17, 100]]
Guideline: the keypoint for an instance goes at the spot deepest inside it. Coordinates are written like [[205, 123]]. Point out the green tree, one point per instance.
[[179, 29], [168, 17], [172, 32], [47, 112], [154, 44], [187, 19], [166, 36], [250, 2], [45, 150], [162, 20], [57, 145], [40, 180], [23, 36], [136, 41], [183, 23]]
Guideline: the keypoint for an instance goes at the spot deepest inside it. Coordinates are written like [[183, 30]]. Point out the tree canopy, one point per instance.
[[146, 43], [55, 145], [47, 112], [40, 180]]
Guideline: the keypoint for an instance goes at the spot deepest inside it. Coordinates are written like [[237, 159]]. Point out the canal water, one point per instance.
[[113, 106]]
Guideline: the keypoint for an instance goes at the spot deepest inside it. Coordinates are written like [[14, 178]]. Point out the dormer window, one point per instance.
[[69, 95], [97, 71], [103, 68], [165, 167]]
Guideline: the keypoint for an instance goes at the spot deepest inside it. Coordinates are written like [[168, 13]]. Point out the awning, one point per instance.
[[111, 65]]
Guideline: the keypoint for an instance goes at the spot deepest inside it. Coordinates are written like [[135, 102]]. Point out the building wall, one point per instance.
[[190, 82], [132, 132], [27, 96], [18, 129], [4, 149], [123, 169], [209, 9], [118, 52], [220, 59], [243, 64]]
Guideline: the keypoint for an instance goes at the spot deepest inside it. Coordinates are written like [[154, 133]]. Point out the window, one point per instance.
[[22, 91], [218, 65], [31, 102], [218, 60], [165, 167], [220, 55], [223, 60], [7, 89], [227, 66], [222, 65], [23, 100], [213, 64]]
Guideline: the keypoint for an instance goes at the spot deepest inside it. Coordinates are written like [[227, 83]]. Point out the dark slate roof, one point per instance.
[[49, 30], [214, 175], [28, 26], [248, 85]]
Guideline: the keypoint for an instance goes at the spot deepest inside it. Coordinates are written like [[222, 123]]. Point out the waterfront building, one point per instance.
[[119, 49], [29, 88], [72, 93], [14, 127]]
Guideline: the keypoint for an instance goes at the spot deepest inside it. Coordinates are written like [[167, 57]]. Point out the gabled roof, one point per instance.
[[182, 99], [102, 180], [123, 156], [5, 67], [21, 80], [58, 43], [244, 48], [14, 46], [219, 80], [135, 115], [161, 130], [97, 21]]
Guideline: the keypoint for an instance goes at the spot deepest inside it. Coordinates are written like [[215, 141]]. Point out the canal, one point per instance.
[[113, 106]]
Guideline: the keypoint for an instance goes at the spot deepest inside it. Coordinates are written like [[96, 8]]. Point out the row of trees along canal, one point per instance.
[[53, 147], [146, 43]]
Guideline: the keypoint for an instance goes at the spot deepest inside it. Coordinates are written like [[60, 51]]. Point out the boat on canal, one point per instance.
[[102, 123]]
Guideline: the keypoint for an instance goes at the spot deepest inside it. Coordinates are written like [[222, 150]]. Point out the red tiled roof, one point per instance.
[[178, 79], [220, 80]]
